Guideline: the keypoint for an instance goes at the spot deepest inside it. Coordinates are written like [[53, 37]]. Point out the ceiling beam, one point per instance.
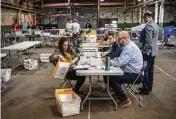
[[58, 15], [19, 7], [114, 3], [86, 4]]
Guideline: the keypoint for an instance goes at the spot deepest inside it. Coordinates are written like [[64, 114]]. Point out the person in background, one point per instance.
[[105, 38], [171, 23], [88, 25], [75, 43], [131, 62], [75, 27], [29, 25], [82, 36], [113, 51], [63, 52], [148, 38], [69, 25], [24, 26], [15, 26], [105, 35]]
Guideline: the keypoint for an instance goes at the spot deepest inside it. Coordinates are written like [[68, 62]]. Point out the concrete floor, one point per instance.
[[30, 95]]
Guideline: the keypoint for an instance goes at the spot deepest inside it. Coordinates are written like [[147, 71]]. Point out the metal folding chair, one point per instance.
[[3, 87], [130, 87], [66, 81]]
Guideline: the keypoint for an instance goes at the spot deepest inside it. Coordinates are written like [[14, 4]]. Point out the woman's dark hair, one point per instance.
[[60, 45]]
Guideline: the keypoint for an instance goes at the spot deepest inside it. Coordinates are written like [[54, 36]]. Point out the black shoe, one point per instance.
[[115, 96], [144, 93], [81, 92], [140, 89]]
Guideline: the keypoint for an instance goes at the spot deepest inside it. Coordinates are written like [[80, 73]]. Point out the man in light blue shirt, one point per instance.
[[131, 62]]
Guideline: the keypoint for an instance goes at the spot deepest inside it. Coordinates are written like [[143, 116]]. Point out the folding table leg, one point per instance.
[[19, 57], [35, 51], [110, 93], [90, 87], [4, 87]]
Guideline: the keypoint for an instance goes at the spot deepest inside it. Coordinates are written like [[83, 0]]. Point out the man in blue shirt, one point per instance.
[[114, 50], [131, 62]]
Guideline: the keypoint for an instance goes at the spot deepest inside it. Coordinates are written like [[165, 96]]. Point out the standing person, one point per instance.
[[15, 26], [69, 25], [75, 27], [24, 26], [105, 35], [88, 25], [148, 38]]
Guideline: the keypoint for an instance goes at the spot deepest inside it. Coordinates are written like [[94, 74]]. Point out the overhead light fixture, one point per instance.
[[101, 0], [114, 22]]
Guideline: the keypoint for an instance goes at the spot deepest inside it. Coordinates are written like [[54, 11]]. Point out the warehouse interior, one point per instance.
[[30, 93]]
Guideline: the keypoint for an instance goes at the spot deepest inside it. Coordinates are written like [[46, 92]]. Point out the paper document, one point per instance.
[[62, 70], [65, 97]]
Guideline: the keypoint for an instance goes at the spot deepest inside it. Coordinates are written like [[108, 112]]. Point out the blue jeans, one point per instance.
[[148, 73], [116, 82]]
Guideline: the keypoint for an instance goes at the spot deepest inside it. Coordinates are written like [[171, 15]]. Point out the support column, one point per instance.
[[69, 8], [42, 4], [124, 15], [161, 14], [133, 11], [156, 12], [140, 15], [19, 17], [34, 19], [98, 13], [145, 7], [132, 16]]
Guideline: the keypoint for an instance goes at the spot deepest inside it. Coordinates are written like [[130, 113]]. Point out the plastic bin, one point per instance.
[[68, 108], [101, 31], [45, 57], [5, 74], [30, 64]]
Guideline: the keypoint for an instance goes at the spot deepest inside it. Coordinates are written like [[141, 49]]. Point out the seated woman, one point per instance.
[[63, 52]]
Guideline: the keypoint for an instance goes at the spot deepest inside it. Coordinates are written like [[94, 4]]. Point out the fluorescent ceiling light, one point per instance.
[[101, 0], [114, 22]]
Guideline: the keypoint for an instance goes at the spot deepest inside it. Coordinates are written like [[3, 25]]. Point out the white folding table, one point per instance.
[[24, 48], [97, 71]]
